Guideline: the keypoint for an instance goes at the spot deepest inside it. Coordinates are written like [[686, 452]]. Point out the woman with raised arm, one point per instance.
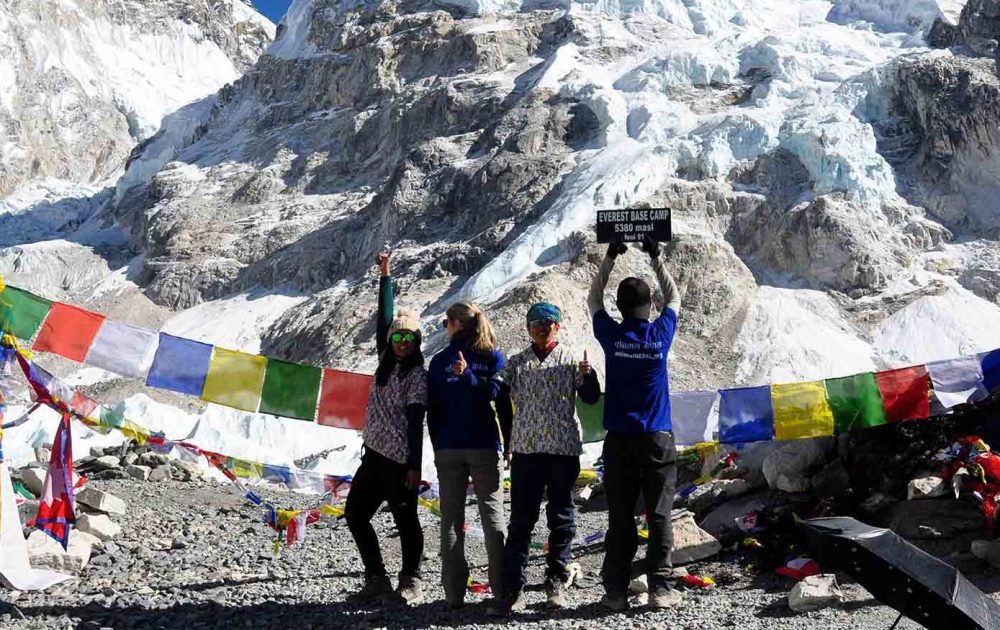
[[468, 440], [393, 440]]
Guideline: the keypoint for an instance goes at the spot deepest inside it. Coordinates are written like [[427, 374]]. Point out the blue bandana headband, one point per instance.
[[544, 310]]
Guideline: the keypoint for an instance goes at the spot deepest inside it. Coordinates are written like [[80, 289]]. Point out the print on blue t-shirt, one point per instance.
[[637, 394]]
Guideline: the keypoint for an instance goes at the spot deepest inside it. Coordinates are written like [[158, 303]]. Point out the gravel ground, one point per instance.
[[195, 555]]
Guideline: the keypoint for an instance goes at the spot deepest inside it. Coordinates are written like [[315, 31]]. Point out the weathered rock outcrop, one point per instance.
[[949, 107]]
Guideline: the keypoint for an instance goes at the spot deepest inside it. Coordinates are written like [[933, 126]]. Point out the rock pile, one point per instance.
[[97, 510]]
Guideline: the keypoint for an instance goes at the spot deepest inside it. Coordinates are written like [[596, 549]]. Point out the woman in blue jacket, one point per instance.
[[468, 440]]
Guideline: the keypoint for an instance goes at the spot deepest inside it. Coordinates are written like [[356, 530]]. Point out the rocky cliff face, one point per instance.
[[819, 172], [84, 81]]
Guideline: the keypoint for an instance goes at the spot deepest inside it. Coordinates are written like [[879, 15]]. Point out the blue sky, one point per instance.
[[273, 9]]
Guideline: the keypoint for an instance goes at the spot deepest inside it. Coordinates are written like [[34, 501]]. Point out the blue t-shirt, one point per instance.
[[637, 391], [459, 408]]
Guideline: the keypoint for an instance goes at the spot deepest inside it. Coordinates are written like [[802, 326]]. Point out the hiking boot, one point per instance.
[[376, 586], [555, 592], [662, 598], [455, 604], [615, 602], [410, 590], [503, 607]]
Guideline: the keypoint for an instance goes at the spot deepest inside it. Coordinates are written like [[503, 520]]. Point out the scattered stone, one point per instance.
[[97, 452], [87, 537], [877, 502], [153, 460], [46, 553], [709, 494], [99, 525], [101, 501], [786, 468], [639, 585], [28, 510], [832, 480], [815, 592], [42, 455], [691, 543], [139, 472], [988, 550], [107, 462], [928, 487], [130, 458], [722, 519], [34, 480], [160, 474], [938, 526], [186, 471]]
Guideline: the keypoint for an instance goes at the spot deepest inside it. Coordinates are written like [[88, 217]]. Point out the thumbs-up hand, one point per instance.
[[459, 366], [584, 365]]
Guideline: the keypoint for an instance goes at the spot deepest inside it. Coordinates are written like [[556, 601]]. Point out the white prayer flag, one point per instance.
[[692, 417], [123, 349], [15, 568], [957, 381]]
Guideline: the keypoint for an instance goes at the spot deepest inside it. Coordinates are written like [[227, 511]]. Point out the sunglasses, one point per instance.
[[444, 324], [541, 323], [408, 337]]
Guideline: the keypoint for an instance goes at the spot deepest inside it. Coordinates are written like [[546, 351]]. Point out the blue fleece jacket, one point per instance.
[[460, 413]]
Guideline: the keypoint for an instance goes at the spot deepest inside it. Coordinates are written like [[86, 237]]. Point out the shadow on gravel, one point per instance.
[[211, 615], [215, 584]]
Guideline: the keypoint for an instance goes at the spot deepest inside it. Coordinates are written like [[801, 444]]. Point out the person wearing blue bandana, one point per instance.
[[639, 452], [544, 380]]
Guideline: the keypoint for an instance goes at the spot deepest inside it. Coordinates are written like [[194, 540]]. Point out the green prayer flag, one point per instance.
[[22, 313], [291, 390], [855, 402], [112, 417], [591, 420]]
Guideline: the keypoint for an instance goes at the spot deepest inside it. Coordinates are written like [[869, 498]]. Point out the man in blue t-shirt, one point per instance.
[[639, 451]]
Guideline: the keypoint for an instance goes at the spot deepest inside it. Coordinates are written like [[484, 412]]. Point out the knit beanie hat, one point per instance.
[[406, 319]]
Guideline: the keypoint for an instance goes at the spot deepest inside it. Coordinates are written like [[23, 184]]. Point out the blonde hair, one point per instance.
[[474, 323]]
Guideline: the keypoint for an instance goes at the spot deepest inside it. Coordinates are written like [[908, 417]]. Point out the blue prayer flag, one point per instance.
[[746, 415], [180, 365], [991, 369]]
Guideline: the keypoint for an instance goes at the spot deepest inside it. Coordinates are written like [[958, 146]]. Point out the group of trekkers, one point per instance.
[[485, 412]]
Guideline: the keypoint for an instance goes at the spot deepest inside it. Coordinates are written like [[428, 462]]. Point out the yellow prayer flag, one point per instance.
[[235, 379], [246, 470], [801, 410]]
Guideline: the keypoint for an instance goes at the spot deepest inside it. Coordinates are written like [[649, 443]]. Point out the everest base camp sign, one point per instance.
[[633, 224]]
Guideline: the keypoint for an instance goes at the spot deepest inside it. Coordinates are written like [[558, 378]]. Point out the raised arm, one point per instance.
[[386, 303], [671, 296], [595, 299]]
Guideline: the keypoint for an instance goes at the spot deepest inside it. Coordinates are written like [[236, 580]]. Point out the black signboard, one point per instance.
[[633, 224]]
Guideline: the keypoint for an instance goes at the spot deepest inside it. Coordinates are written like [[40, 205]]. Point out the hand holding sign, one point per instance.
[[584, 365], [615, 249], [459, 366], [651, 247]]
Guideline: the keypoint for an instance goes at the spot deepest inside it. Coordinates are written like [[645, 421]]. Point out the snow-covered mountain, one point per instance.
[[833, 180], [82, 82]]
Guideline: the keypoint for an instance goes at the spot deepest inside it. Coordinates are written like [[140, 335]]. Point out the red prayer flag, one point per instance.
[[906, 393], [56, 511], [83, 404], [68, 331], [343, 399]]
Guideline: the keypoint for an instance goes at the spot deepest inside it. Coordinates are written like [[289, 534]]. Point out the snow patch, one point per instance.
[[953, 324], [235, 323], [794, 335]]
